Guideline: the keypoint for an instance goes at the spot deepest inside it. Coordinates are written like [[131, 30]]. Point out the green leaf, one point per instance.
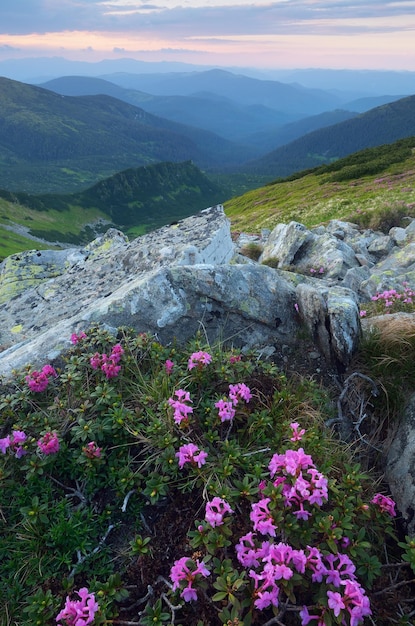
[[220, 595]]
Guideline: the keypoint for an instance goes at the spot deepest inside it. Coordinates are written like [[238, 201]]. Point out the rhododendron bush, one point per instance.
[[145, 484]]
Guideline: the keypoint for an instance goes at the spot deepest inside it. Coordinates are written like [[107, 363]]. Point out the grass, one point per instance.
[[49, 225], [315, 199]]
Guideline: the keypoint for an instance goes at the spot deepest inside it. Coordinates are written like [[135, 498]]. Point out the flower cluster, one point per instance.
[[274, 563], [108, 364], [92, 451], [240, 391], [49, 443], [199, 359], [186, 569], [168, 366], [297, 434], [386, 505], [77, 338], [38, 381], [13, 443], [350, 598], [181, 410], [190, 453], [301, 482], [318, 271], [237, 392], [79, 612], [216, 511], [277, 562], [389, 297]]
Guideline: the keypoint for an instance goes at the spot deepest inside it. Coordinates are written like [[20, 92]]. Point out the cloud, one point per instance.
[[5, 48], [262, 29], [214, 16]]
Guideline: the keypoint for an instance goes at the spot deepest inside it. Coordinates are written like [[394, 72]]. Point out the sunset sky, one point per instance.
[[364, 34]]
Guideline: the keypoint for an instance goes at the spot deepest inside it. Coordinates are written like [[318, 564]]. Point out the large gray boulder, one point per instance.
[[331, 316], [400, 468]]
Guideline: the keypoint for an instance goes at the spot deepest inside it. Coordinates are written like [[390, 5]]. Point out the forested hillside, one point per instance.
[[135, 200], [53, 143], [384, 124]]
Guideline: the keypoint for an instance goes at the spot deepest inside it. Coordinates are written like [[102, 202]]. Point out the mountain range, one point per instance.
[[381, 125], [233, 106], [50, 142], [356, 83], [55, 142], [88, 150]]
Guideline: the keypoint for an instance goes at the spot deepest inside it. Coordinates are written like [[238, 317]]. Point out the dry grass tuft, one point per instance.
[[392, 329]]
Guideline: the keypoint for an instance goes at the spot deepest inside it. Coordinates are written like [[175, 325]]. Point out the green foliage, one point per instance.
[[51, 143], [95, 512], [135, 200], [252, 251], [377, 127], [344, 189]]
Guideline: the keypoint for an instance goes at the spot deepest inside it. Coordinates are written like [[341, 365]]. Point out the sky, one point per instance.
[[340, 34]]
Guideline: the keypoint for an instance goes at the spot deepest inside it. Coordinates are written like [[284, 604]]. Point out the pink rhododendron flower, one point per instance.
[[297, 434], [190, 453], [185, 569], [340, 567], [246, 552], [49, 443], [96, 361], [235, 358], [110, 369], [315, 564], [49, 370], [79, 612], [290, 462], [91, 450], [240, 391], [77, 338], [181, 410], [225, 410], [13, 443], [4, 444], [199, 359], [306, 618], [17, 439], [116, 353], [169, 366], [108, 364], [216, 510], [38, 381], [262, 518], [386, 505]]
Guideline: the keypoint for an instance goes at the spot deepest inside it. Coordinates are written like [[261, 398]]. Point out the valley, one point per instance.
[[138, 151]]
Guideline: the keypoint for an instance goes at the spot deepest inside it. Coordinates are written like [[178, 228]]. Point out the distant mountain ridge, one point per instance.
[[300, 101], [381, 125], [357, 83], [53, 143], [205, 110]]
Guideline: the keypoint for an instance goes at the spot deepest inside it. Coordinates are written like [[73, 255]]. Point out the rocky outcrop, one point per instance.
[[362, 260], [191, 275], [172, 282]]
